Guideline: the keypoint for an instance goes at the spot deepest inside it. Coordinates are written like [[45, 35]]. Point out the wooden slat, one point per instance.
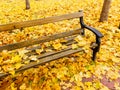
[[19, 25], [53, 52], [34, 52], [51, 58], [39, 40], [46, 53], [70, 40], [44, 60]]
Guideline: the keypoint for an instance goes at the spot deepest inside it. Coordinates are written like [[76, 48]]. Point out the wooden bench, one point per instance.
[[53, 55]]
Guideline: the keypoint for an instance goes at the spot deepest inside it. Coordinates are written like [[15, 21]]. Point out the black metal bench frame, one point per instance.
[[53, 55]]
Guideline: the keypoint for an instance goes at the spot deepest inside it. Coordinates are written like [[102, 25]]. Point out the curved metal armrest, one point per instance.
[[96, 32], [98, 41], [98, 36]]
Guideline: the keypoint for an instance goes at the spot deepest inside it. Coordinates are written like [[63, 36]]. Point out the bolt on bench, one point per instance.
[[53, 55]]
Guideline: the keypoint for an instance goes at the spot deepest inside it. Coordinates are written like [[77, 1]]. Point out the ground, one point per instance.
[[75, 72]]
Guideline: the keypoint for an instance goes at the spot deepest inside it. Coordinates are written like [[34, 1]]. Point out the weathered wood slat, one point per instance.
[[44, 60], [47, 53], [19, 25], [39, 40], [70, 40], [53, 52], [51, 58], [34, 52]]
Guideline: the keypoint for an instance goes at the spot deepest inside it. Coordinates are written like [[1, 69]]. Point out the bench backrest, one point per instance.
[[19, 25], [30, 23]]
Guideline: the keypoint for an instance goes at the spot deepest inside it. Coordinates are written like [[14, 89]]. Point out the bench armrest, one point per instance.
[[96, 32], [98, 37], [98, 40]]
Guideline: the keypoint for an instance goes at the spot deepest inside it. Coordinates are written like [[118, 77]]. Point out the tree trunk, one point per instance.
[[105, 10], [27, 4]]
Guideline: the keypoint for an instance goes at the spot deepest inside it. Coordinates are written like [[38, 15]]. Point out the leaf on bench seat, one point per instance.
[[47, 57], [42, 53], [74, 46], [33, 58], [39, 51], [18, 65], [57, 46]]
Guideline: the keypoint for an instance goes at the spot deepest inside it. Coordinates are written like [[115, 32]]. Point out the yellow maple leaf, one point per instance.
[[57, 46], [56, 87], [15, 59], [18, 65], [13, 86], [76, 88], [38, 51], [82, 43], [88, 84], [33, 57], [79, 38], [104, 88], [12, 72], [74, 46], [91, 88], [23, 87], [116, 85], [22, 52]]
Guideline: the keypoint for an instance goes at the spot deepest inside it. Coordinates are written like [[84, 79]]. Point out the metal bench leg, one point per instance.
[[97, 48], [94, 54]]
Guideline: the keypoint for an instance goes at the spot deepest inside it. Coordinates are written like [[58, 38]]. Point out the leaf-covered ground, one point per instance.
[[76, 72]]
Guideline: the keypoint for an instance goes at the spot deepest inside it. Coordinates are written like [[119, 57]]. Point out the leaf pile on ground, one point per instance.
[[75, 72]]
